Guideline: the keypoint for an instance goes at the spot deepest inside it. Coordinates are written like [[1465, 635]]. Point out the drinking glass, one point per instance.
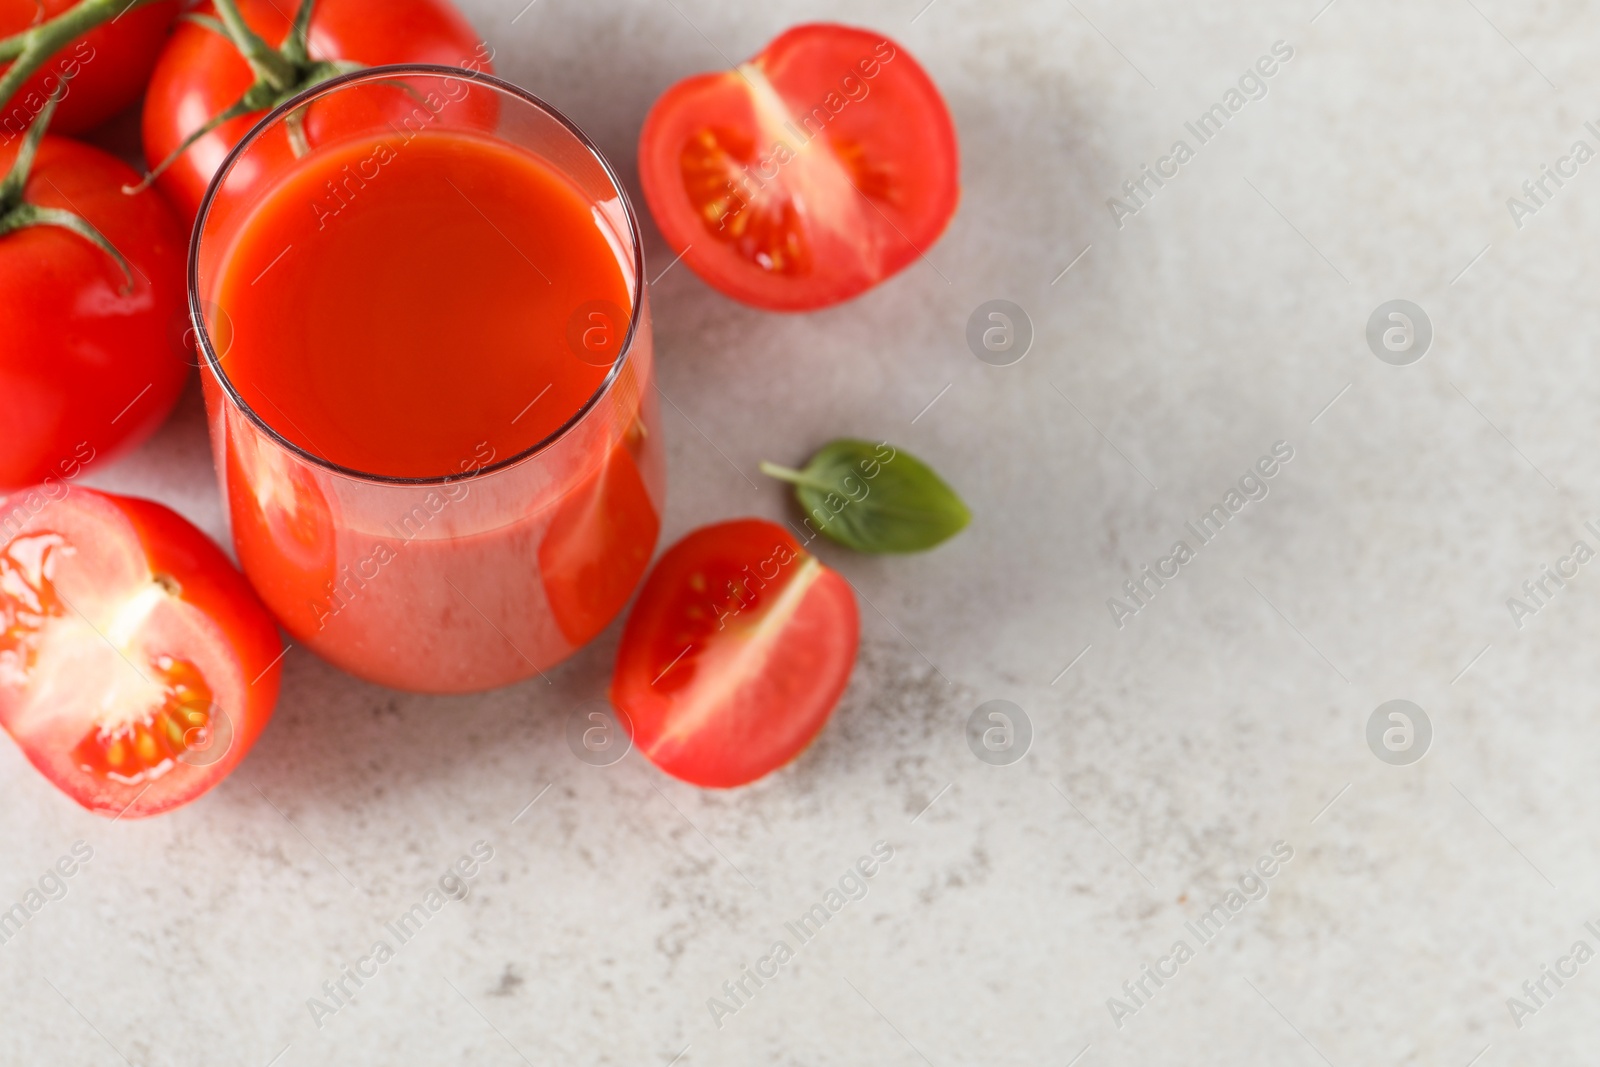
[[476, 576]]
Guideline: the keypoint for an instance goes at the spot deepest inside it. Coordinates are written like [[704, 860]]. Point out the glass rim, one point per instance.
[[321, 89]]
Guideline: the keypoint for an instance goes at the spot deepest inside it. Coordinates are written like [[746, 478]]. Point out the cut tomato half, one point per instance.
[[739, 647], [807, 175], [137, 666]]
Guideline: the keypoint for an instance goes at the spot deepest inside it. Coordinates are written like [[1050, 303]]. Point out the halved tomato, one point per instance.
[[733, 658], [806, 175], [136, 664]]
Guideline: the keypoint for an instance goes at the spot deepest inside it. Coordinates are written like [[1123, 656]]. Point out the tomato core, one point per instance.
[[142, 750]]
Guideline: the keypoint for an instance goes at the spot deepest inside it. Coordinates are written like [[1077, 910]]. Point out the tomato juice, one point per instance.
[[389, 310], [437, 476]]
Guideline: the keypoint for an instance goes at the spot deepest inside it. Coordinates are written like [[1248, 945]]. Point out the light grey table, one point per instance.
[[1168, 755]]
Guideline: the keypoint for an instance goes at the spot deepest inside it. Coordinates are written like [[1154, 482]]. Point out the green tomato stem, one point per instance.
[[25, 215], [17, 214], [245, 105], [207, 21], [281, 74], [297, 46], [270, 65], [37, 45], [12, 186]]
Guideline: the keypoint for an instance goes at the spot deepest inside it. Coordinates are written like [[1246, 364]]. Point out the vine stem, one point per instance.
[[33, 47], [280, 74], [265, 61]]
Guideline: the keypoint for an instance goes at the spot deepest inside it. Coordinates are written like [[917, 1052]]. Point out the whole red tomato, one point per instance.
[[87, 367], [107, 67], [201, 73], [136, 664]]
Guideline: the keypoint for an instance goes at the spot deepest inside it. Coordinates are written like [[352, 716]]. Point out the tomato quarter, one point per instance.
[[807, 175], [136, 664], [739, 647]]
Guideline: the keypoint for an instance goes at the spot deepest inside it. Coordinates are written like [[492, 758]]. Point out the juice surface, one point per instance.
[[394, 304]]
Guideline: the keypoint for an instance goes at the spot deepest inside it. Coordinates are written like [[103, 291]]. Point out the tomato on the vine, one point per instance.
[[87, 365], [202, 72], [137, 666], [105, 69], [807, 175], [735, 654]]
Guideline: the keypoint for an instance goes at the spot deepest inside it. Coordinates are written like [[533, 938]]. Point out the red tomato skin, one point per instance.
[[200, 74], [87, 370], [763, 719], [917, 122], [207, 581], [211, 582], [107, 67]]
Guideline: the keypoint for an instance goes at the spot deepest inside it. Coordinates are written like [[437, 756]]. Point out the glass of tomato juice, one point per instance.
[[420, 304]]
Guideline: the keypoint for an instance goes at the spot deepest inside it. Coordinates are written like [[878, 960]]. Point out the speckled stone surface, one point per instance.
[[1228, 313]]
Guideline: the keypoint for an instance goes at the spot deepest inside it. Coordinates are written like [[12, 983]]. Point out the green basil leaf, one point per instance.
[[874, 497]]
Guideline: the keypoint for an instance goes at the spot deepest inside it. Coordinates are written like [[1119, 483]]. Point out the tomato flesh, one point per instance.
[[733, 658], [150, 745], [807, 175], [136, 665], [765, 230]]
